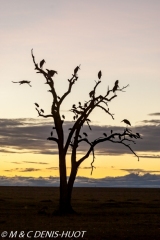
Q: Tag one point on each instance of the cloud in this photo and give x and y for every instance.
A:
(30, 135)
(139, 171)
(154, 114)
(152, 121)
(53, 168)
(131, 180)
(149, 156)
(22, 170)
(35, 162)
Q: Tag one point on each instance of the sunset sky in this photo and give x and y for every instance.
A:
(119, 37)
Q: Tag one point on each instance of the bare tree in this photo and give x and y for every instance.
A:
(81, 115)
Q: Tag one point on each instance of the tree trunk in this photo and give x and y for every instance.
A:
(65, 206)
(63, 183)
(70, 186)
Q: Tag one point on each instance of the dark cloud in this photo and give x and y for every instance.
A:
(30, 135)
(131, 180)
(154, 114)
(35, 162)
(152, 121)
(22, 170)
(53, 168)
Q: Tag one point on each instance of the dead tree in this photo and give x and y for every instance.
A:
(81, 116)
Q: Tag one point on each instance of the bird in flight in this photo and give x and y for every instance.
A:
(41, 63)
(99, 74)
(23, 81)
(126, 121)
(51, 72)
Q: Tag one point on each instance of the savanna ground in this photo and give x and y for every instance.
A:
(105, 213)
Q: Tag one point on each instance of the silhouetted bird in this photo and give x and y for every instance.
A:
(105, 134)
(79, 136)
(41, 63)
(51, 133)
(79, 103)
(116, 82)
(91, 93)
(36, 104)
(73, 106)
(126, 121)
(111, 131)
(99, 74)
(115, 86)
(76, 69)
(63, 116)
(51, 72)
(42, 110)
(85, 134)
(74, 117)
(23, 81)
(138, 135)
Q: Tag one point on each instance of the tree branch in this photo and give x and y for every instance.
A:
(53, 139)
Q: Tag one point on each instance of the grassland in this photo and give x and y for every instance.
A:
(105, 213)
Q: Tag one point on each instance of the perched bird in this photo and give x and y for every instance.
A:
(80, 103)
(63, 116)
(73, 106)
(23, 81)
(51, 134)
(85, 134)
(79, 136)
(91, 94)
(76, 69)
(36, 104)
(74, 117)
(115, 86)
(51, 72)
(99, 74)
(42, 110)
(41, 63)
(138, 135)
(105, 134)
(126, 121)
(111, 131)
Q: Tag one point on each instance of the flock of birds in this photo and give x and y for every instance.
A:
(51, 73)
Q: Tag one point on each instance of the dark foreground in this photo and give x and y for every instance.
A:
(105, 213)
